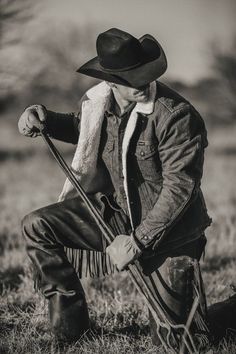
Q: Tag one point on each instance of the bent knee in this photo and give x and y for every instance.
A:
(32, 222)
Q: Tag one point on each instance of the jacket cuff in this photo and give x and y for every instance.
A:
(142, 237)
(145, 238)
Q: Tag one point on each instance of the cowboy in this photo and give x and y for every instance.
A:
(139, 157)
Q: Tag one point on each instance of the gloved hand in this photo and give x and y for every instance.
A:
(123, 251)
(32, 120)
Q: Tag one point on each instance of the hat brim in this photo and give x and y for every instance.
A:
(154, 65)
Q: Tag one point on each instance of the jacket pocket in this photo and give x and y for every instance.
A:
(148, 161)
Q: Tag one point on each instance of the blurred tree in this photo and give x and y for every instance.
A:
(214, 96)
(13, 12)
(13, 16)
(56, 82)
(39, 58)
(224, 66)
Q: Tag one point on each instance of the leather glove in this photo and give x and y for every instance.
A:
(32, 120)
(123, 251)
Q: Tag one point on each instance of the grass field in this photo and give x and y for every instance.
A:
(30, 179)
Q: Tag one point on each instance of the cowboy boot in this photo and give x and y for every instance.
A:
(57, 279)
(68, 316)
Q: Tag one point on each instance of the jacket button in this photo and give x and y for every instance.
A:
(145, 238)
(142, 153)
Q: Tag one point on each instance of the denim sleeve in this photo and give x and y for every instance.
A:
(63, 126)
(182, 139)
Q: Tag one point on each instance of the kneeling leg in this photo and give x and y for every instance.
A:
(47, 231)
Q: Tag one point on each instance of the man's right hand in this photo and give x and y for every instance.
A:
(32, 120)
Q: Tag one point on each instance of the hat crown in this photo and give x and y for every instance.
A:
(118, 50)
(126, 60)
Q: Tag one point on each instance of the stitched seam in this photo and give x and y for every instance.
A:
(173, 114)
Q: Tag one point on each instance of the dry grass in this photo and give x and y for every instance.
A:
(30, 179)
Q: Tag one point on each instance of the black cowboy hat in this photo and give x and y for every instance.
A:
(126, 60)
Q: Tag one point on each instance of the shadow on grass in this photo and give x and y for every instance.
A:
(134, 330)
(217, 262)
(11, 278)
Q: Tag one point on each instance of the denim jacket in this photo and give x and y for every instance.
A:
(165, 166)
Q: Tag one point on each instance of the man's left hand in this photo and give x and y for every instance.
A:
(123, 251)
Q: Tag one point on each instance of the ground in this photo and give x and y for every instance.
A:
(31, 179)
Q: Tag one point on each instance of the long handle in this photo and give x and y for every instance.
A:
(133, 270)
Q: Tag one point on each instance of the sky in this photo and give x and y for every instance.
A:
(185, 28)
